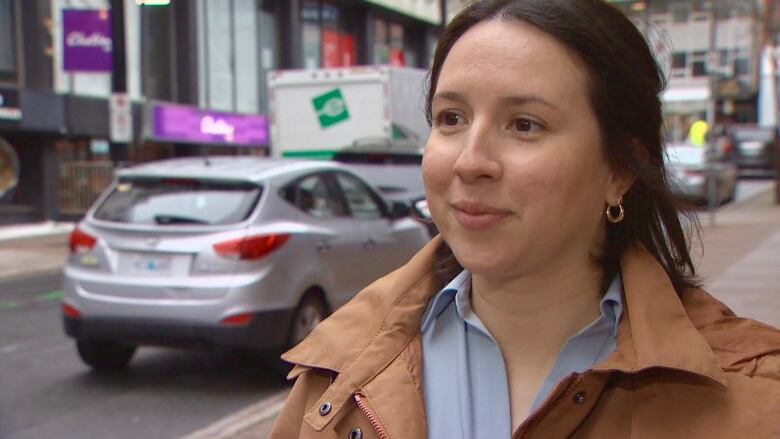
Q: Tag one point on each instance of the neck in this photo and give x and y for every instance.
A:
(544, 308)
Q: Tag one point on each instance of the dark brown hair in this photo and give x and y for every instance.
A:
(624, 86)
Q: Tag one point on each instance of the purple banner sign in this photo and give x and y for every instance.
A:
(86, 40)
(188, 124)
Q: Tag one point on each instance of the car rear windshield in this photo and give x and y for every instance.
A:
(176, 201)
(686, 155)
(754, 135)
(378, 158)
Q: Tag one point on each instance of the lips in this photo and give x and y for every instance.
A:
(477, 216)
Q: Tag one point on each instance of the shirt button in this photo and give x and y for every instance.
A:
(579, 398)
(356, 433)
(324, 408)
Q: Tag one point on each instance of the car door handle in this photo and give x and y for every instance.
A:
(369, 244)
(323, 247)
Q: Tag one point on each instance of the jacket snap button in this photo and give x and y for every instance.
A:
(579, 398)
(356, 433)
(324, 408)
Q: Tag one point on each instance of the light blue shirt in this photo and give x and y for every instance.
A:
(464, 379)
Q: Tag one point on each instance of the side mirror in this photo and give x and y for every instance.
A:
(420, 209)
(399, 210)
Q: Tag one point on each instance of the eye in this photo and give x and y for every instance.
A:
(525, 125)
(449, 118)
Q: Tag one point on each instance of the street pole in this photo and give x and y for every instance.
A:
(119, 152)
(710, 153)
(768, 40)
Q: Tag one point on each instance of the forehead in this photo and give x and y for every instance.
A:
(511, 54)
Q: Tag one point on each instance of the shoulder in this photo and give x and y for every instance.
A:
(382, 317)
(742, 345)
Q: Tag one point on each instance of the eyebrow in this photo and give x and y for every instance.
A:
(509, 100)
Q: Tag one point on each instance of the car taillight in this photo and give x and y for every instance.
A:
(238, 319)
(70, 311)
(251, 247)
(81, 242)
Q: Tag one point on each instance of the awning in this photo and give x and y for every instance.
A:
(686, 94)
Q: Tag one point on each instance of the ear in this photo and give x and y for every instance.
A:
(621, 179)
(620, 182)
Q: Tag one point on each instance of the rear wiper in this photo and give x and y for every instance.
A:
(173, 219)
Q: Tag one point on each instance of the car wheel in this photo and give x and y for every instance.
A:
(310, 312)
(105, 355)
(732, 194)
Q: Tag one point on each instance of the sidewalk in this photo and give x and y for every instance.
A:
(739, 257)
(31, 249)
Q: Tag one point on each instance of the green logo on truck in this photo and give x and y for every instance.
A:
(331, 108)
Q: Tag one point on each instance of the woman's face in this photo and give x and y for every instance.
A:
(514, 171)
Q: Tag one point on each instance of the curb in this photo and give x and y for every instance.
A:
(19, 232)
(14, 276)
(233, 425)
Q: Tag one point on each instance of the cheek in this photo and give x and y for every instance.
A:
(436, 171)
(552, 185)
(437, 175)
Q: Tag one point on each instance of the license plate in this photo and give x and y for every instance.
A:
(158, 265)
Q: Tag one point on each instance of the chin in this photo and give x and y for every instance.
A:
(482, 260)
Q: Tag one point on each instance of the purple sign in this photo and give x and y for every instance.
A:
(188, 124)
(86, 40)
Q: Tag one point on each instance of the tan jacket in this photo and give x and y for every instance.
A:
(682, 368)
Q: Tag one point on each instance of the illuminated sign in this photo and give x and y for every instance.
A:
(181, 123)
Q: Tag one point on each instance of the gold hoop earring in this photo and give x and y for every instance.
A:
(615, 218)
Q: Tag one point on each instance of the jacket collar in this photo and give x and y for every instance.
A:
(364, 336)
(656, 331)
(380, 320)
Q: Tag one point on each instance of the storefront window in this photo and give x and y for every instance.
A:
(267, 55)
(219, 69)
(326, 40)
(310, 15)
(7, 40)
(397, 56)
(235, 49)
(246, 65)
(155, 47)
(381, 48)
(331, 56)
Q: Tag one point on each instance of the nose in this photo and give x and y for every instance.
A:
(477, 160)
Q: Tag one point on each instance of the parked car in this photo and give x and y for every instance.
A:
(756, 147)
(235, 252)
(394, 167)
(693, 167)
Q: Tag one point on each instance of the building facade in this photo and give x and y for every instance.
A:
(184, 61)
(710, 51)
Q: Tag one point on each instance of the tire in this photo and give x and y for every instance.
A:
(310, 312)
(732, 194)
(105, 355)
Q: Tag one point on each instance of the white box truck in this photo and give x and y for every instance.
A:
(315, 113)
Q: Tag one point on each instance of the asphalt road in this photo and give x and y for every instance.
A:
(48, 393)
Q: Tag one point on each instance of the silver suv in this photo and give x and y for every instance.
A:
(231, 252)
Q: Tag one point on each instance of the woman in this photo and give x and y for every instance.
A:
(560, 298)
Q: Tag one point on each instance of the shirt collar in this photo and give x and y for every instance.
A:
(611, 304)
(444, 297)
